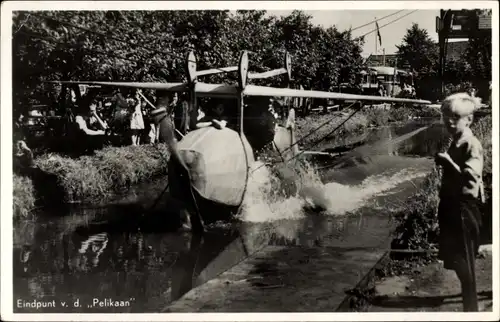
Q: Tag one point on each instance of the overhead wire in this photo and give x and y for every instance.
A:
(387, 24)
(376, 20)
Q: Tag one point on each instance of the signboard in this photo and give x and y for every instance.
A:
(463, 23)
(484, 22)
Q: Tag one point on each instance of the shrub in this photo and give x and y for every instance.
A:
(457, 88)
(377, 116)
(23, 198)
(416, 220)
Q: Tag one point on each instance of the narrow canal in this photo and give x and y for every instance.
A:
(115, 253)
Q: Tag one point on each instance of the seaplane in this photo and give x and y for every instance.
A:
(210, 167)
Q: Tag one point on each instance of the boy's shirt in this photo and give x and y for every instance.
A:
(467, 153)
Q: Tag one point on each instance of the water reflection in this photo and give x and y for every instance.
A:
(155, 269)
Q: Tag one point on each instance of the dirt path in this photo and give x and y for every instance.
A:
(431, 288)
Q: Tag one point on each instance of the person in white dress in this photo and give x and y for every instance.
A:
(137, 121)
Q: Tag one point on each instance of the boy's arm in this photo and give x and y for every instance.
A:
(83, 126)
(102, 124)
(199, 125)
(445, 160)
(473, 167)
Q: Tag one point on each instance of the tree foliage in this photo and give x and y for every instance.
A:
(152, 46)
(419, 51)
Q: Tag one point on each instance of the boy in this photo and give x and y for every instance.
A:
(460, 195)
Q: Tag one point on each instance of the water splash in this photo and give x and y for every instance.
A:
(266, 200)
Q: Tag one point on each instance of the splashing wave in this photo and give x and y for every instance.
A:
(267, 200)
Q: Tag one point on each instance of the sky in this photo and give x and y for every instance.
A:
(391, 35)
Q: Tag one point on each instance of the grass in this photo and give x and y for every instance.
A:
(305, 126)
(381, 117)
(375, 116)
(91, 179)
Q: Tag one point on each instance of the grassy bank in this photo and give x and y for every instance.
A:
(366, 118)
(92, 178)
(309, 134)
(89, 179)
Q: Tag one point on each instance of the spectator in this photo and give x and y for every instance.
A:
(381, 89)
(181, 117)
(23, 159)
(91, 128)
(137, 120)
(461, 195)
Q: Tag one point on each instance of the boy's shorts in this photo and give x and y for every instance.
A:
(459, 226)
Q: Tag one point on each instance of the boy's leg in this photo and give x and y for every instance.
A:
(466, 274)
(466, 271)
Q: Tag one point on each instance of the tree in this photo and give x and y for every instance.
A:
(419, 51)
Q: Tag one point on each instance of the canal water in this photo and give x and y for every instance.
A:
(121, 258)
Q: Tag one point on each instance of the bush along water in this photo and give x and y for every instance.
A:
(23, 198)
(88, 179)
(416, 220)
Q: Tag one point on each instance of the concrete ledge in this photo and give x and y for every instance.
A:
(286, 279)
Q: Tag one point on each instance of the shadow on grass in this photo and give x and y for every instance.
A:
(423, 301)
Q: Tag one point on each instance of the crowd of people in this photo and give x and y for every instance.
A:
(125, 122)
(91, 122)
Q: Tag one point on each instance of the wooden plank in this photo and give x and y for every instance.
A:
(216, 90)
(217, 70)
(171, 87)
(268, 74)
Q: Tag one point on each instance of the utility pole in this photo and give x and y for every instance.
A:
(383, 59)
(441, 51)
(443, 30)
(394, 76)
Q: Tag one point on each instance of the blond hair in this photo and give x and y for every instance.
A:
(462, 104)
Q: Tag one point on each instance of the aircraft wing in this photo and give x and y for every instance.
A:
(254, 90)
(173, 87)
(223, 90)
